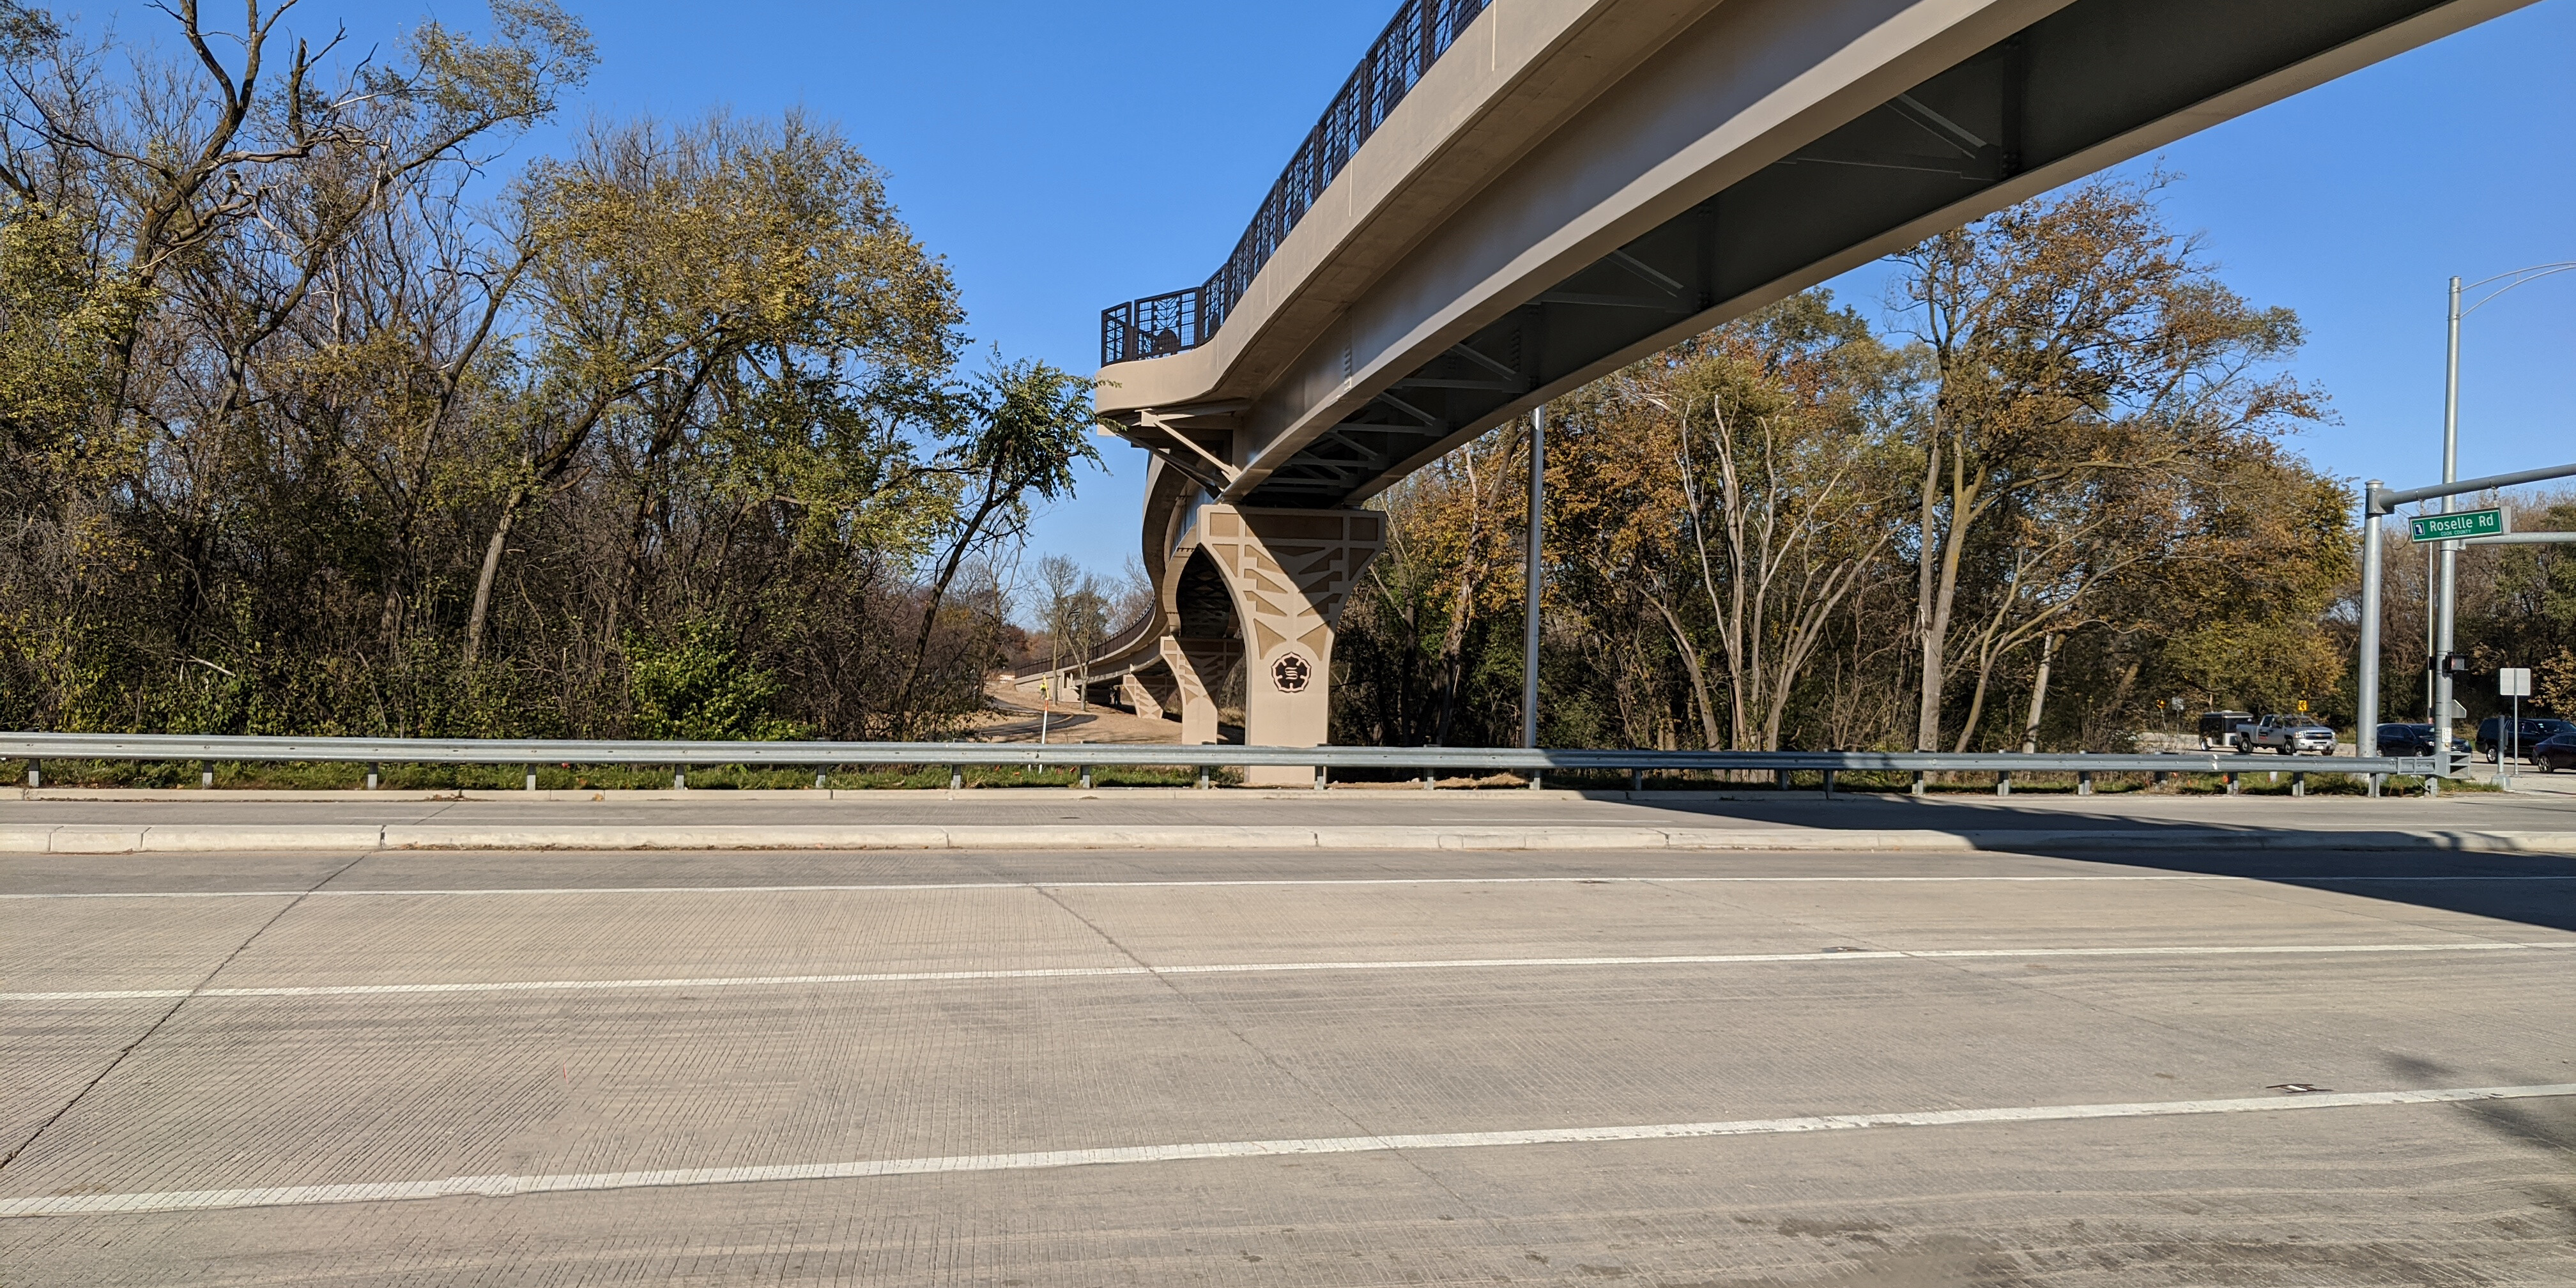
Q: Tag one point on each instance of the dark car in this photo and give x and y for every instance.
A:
(2554, 754)
(2493, 735)
(2405, 740)
(2413, 740)
(2218, 728)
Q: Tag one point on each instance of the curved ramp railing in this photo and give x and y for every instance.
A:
(1160, 325)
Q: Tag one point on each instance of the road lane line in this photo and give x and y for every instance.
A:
(504, 1186)
(2290, 879)
(1269, 968)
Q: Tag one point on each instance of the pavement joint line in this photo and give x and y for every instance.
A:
(900, 887)
(505, 1186)
(1272, 968)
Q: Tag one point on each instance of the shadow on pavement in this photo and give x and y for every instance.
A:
(2533, 889)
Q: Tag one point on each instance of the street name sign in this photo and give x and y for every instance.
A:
(2457, 524)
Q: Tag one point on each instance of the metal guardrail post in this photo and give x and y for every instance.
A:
(956, 778)
(1916, 789)
(2231, 782)
(206, 779)
(2298, 783)
(1636, 779)
(679, 780)
(1829, 784)
(35, 774)
(2003, 784)
(532, 780)
(1204, 782)
(1320, 773)
(2084, 782)
(372, 772)
(1086, 778)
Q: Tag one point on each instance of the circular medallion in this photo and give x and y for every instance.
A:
(1291, 673)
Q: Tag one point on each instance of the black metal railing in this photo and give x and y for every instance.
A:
(1154, 327)
(1166, 324)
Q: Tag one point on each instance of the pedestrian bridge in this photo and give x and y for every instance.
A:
(1509, 198)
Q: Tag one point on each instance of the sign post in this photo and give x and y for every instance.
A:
(2512, 682)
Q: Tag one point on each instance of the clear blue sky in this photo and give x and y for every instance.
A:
(1065, 156)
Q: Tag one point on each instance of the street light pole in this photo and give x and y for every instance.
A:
(2442, 639)
(2365, 736)
(1535, 583)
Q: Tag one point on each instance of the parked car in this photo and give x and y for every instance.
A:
(2554, 754)
(2218, 728)
(2492, 735)
(2288, 735)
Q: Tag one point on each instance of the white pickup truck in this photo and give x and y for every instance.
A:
(2288, 735)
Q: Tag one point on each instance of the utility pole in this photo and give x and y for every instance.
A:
(1535, 582)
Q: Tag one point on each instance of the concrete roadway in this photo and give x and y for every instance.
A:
(1149, 1068)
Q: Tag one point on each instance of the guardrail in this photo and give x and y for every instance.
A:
(39, 747)
(1414, 39)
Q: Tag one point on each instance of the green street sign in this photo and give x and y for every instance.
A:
(2457, 524)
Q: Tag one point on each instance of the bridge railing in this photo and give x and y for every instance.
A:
(39, 747)
(1154, 327)
(1415, 38)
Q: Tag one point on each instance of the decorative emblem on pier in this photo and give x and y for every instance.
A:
(1290, 673)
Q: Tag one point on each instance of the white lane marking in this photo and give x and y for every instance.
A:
(1266, 968)
(502, 1186)
(1281, 881)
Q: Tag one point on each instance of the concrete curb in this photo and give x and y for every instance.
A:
(721, 796)
(129, 839)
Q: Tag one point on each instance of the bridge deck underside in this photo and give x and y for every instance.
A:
(2082, 78)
